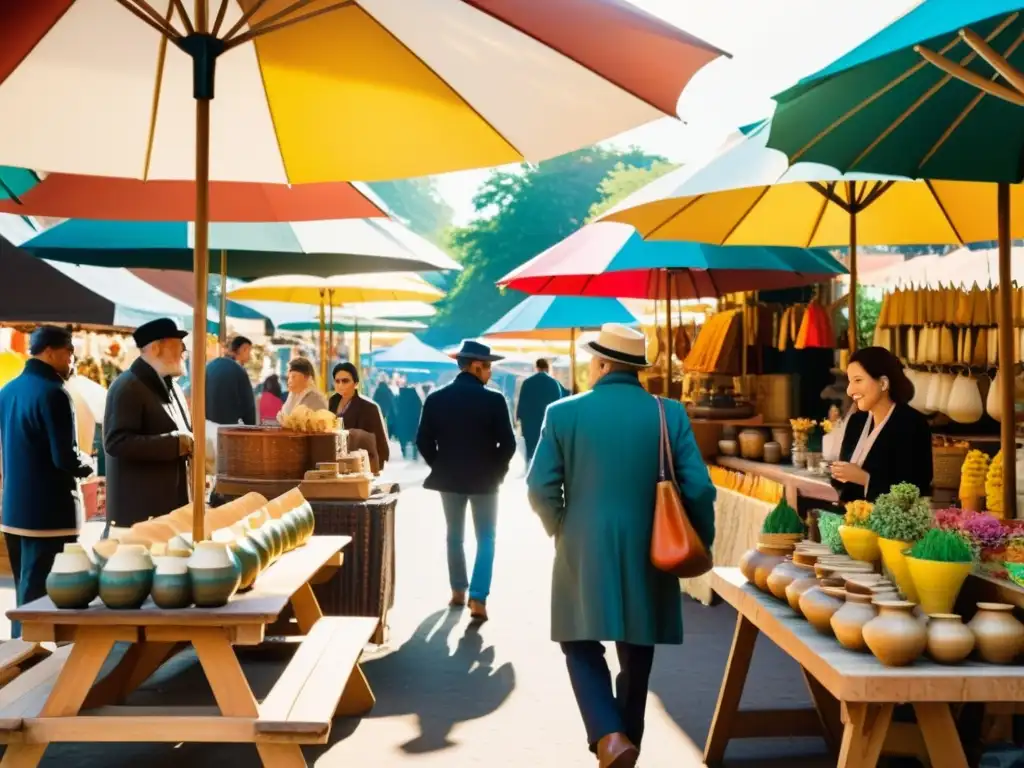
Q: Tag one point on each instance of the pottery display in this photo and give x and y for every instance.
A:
(215, 574)
(784, 437)
(788, 540)
(728, 447)
(798, 586)
(896, 565)
(247, 553)
(287, 534)
(949, 640)
(772, 452)
(172, 585)
(862, 583)
(895, 637)
(824, 569)
(276, 539)
(848, 622)
(752, 444)
(999, 635)
(102, 550)
(296, 520)
(261, 542)
(766, 562)
(74, 548)
(256, 520)
(818, 604)
(127, 577)
(937, 584)
(781, 576)
(861, 543)
(179, 546)
(72, 581)
(291, 532)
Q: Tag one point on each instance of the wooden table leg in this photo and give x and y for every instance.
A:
(827, 707)
(233, 694)
(863, 734)
(136, 666)
(357, 698)
(92, 646)
(736, 669)
(940, 735)
(306, 608)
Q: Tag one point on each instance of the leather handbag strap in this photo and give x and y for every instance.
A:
(663, 447)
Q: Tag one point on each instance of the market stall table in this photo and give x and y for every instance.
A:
(65, 703)
(846, 686)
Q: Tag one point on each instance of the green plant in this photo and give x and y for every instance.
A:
(783, 519)
(828, 527)
(942, 547)
(901, 514)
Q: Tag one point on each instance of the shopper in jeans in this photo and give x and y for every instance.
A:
(465, 436)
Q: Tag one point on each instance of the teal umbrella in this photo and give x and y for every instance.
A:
(15, 182)
(554, 317)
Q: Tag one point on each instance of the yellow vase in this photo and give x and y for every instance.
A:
(896, 565)
(937, 584)
(860, 543)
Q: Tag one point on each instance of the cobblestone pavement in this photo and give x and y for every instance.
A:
(449, 695)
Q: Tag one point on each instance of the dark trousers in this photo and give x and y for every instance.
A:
(603, 710)
(31, 560)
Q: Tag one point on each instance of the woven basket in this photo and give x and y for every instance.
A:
(947, 461)
(271, 453)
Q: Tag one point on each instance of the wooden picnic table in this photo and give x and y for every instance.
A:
(853, 693)
(61, 700)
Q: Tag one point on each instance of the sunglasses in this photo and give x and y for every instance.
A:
(342, 380)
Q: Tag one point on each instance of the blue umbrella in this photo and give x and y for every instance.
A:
(411, 353)
(553, 317)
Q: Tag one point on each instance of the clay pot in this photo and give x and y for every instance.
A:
(818, 604)
(769, 557)
(937, 584)
(77, 549)
(295, 520)
(172, 586)
(274, 539)
(127, 577)
(772, 452)
(291, 532)
(780, 577)
(824, 568)
(752, 444)
(848, 622)
(102, 550)
(784, 438)
(895, 563)
(215, 574)
(949, 640)
(72, 581)
(895, 637)
(261, 541)
(180, 546)
(999, 635)
(787, 540)
(799, 585)
(246, 552)
(861, 543)
(256, 520)
(862, 583)
(728, 447)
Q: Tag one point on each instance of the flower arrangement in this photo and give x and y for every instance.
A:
(942, 547)
(782, 519)
(858, 513)
(802, 428)
(901, 514)
(828, 527)
(827, 426)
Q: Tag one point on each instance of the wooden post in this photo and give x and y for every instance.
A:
(323, 343)
(668, 333)
(330, 334)
(852, 295)
(1007, 366)
(222, 325)
(356, 354)
(572, 361)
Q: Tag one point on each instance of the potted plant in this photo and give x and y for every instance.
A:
(781, 530)
(900, 517)
(860, 541)
(828, 529)
(938, 564)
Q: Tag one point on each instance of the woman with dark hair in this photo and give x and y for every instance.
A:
(358, 412)
(886, 441)
(302, 387)
(271, 398)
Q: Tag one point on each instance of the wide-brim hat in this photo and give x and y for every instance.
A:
(619, 344)
(157, 330)
(474, 350)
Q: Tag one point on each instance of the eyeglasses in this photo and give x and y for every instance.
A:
(342, 380)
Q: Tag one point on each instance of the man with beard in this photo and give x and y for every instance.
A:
(42, 463)
(147, 435)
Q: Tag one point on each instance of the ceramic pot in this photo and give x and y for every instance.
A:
(286, 534)
(896, 565)
(305, 512)
(248, 556)
(784, 438)
(215, 574)
(179, 546)
(781, 576)
(172, 586)
(752, 444)
(127, 577)
(256, 520)
(818, 604)
(727, 448)
(291, 532)
(895, 637)
(862, 583)
(747, 563)
(999, 636)
(772, 452)
(787, 540)
(74, 548)
(937, 584)
(102, 550)
(769, 558)
(861, 543)
(276, 540)
(798, 586)
(848, 622)
(949, 640)
(72, 581)
(262, 543)
(294, 519)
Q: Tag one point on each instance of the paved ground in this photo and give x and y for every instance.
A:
(449, 695)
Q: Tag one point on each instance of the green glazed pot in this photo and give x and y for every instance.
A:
(276, 540)
(72, 581)
(291, 532)
(215, 573)
(248, 556)
(127, 578)
(293, 521)
(172, 586)
(262, 544)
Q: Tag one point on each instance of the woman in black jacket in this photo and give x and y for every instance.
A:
(886, 441)
(358, 412)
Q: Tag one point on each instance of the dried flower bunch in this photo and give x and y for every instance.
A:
(857, 513)
(802, 424)
(901, 514)
(304, 419)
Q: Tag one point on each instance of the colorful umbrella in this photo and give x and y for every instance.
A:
(354, 323)
(14, 183)
(410, 352)
(252, 250)
(553, 317)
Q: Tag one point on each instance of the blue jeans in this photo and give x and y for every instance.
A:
(485, 522)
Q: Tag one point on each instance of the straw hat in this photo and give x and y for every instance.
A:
(619, 344)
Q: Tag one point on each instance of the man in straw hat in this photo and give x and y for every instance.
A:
(592, 482)
(465, 435)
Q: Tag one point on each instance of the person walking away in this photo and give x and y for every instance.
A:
(410, 406)
(271, 399)
(385, 400)
(592, 483)
(302, 387)
(229, 395)
(147, 434)
(466, 438)
(535, 395)
(42, 463)
(356, 412)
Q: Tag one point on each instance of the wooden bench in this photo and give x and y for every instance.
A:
(322, 680)
(25, 696)
(18, 655)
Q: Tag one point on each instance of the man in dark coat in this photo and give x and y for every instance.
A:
(535, 395)
(229, 395)
(42, 463)
(410, 408)
(385, 398)
(147, 435)
(466, 437)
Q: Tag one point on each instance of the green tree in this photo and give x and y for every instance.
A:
(867, 318)
(521, 213)
(623, 181)
(417, 203)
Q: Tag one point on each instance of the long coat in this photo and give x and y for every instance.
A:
(42, 462)
(410, 409)
(535, 395)
(365, 414)
(146, 473)
(592, 482)
(466, 437)
(229, 395)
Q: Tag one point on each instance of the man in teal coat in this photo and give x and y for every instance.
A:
(592, 482)
(535, 395)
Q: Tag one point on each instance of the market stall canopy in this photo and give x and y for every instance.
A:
(607, 259)
(321, 248)
(354, 323)
(338, 289)
(368, 89)
(179, 285)
(552, 317)
(279, 312)
(936, 94)
(410, 352)
(69, 196)
(962, 267)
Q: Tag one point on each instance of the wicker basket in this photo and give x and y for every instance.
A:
(947, 461)
(271, 453)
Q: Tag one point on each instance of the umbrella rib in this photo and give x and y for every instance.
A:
(161, 60)
(189, 29)
(673, 215)
(244, 19)
(825, 200)
(264, 29)
(880, 189)
(945, 213)
(165, 30)
(952, 127)
(746, 213)
(221, 13)
(965, 75)
(996, 60)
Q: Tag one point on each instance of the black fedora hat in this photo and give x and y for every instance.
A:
(155, 330)
(474, 350)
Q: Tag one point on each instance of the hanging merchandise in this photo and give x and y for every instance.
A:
(965, 404)
(716, 344)
(815, 329)
(994, 403)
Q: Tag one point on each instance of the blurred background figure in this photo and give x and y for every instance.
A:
(229, 396)
(410, 406)
(302, 387)
(271, 399)
(535, 395)
(386, 401)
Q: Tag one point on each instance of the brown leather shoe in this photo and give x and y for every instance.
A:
(458, 599)
(478, 610)
(616, 751)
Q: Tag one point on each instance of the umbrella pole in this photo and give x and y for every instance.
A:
(852, 295)
(330, 331)
(223, 324)
(668, 333)
(323, 343)
(572, 361)
(357, 359)
(1008, 423)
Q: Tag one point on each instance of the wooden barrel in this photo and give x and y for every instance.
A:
(270, 453)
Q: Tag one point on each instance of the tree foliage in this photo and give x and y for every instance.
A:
(520, 213)
(417, 203)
